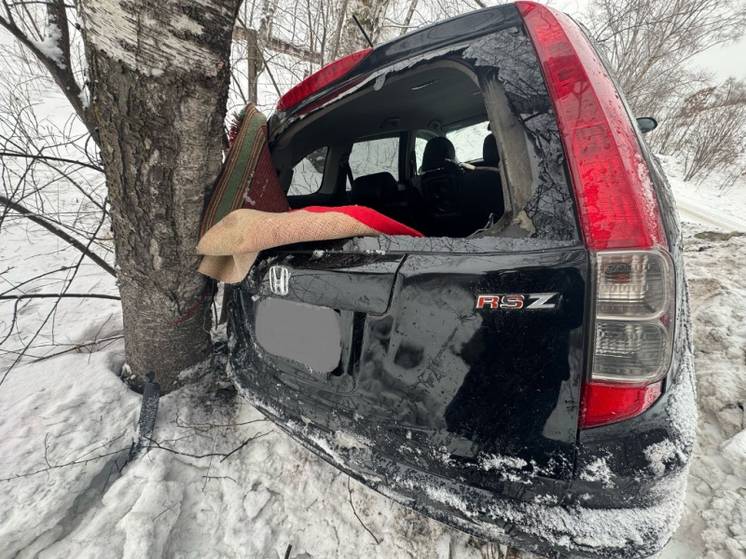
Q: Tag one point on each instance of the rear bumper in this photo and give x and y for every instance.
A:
(616, 507)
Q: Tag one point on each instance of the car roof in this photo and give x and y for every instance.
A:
(419, 42)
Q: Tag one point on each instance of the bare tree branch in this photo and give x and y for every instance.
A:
(51, 158)
(60, 69)
(61, 234)
(59, 296)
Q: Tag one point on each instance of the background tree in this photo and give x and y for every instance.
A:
(151, 91)
(158, 85)
(149, 83)
(650, 45)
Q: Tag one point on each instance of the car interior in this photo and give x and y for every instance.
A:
(415, 145)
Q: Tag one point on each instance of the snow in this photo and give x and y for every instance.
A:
(267, 496)
(67, 423)
(715, 523)
(705, 202)
(598, 470)
(50, 46)
(659, 454)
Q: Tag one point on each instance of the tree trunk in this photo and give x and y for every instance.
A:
(160, 73)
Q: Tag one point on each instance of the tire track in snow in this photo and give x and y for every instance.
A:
(689, 209)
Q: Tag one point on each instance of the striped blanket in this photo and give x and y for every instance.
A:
(248, 211)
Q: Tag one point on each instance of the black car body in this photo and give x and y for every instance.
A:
(524, 370)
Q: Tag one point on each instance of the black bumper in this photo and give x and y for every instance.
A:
(614, 508)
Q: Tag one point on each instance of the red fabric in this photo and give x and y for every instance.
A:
(369, 217)
(264, 192)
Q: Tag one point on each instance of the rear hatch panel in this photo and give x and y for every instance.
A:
(487, 396)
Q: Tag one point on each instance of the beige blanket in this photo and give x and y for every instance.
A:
(231, 245)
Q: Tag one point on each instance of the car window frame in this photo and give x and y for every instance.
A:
(320, 189)
(400, 136)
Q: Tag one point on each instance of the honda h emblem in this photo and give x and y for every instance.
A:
(279, 280)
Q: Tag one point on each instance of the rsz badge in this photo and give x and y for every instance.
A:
(518, 301)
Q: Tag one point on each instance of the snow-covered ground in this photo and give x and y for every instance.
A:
(66, 423)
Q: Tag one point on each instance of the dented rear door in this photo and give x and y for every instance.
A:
(390, 351)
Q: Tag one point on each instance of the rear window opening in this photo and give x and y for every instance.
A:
(445, 145)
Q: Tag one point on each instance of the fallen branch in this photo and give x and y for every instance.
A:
(65, 465)
(223, 455)
(360, 520)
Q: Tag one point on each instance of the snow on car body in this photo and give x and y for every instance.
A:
(564, 428)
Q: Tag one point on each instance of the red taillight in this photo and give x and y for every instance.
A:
(620, 220)
(617, 206)
(605, 403)
(320, 79)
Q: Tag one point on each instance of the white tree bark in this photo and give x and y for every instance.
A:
(160, 74)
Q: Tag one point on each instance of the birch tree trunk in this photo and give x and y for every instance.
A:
(159, 73)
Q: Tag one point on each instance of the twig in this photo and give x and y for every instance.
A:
(209, 465)
(223, 455)
(18, 286)
(50, 158)
(157, 516)
(76, 347)
(208, 426)
(247, 441)
(65, 465)
(221, 477)
(360, 520)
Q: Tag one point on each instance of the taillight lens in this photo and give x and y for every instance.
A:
(320, 79)
(630, 351)
(633, 339)
(633, 315)
(617, 205)
(633, 283)
(608, 403)
(620, 220)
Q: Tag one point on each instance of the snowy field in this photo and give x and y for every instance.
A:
(67, 421)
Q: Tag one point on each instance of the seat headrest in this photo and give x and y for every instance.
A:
(490, 155)
(373, 188)
(437, 150)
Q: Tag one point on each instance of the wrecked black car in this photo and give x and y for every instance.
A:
(523, 371)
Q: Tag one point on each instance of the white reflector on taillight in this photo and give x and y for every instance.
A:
(633, 326)
(630, 351)
(632, 283)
